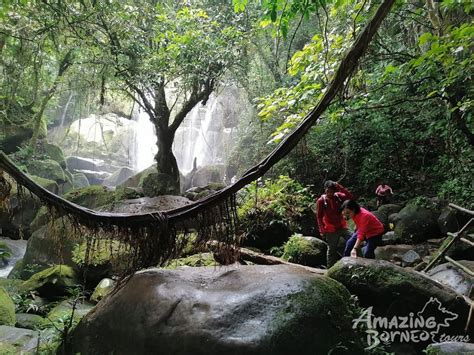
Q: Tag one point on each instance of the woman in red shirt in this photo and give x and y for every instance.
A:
(369, 228)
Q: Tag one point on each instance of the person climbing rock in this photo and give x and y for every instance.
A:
(383, 192)
(332, 225)
(368, 228)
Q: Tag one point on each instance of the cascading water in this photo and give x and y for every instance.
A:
(145, 142)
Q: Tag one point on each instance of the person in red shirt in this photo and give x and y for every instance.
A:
(331, 223)
(369, 228)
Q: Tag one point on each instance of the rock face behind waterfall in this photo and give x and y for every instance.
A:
(243, 310)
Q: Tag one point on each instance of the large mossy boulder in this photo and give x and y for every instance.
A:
(244, 310)
(107, 258)
(13, 137)
(45, 248)
(137, 179)
(416, 224)
(52, 282)
(309, 251)
(393, 291)
(29, 321)
(7, 308)
(47, 169)
(54, 152)
(156, 184)
(91, 196)
(389, 209)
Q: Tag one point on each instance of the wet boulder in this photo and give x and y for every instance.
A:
(389, 209)
(18, 340)
(411, 258)
(452, 276)
(309, 251)
(393, 291)
(208, 174)
(231, 310)
(137, 179)
(118, 177)
(416, 224)
(51, 283)
(79, 180)
(78, 163)
(47, 169)
(29, 321)
(104, 287)
(448, 221)
(451, 348)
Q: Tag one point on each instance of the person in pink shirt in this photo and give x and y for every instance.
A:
(368, 229)
(383, 192)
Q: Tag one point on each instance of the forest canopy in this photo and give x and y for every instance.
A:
(404, 117)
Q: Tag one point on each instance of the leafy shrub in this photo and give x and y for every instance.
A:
(282, 199)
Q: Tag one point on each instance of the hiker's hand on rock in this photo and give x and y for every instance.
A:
(354, 253)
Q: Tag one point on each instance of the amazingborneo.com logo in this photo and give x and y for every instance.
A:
(429, 324)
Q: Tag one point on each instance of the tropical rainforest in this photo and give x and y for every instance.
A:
(185, 134)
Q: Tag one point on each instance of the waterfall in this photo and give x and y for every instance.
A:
(145, 142)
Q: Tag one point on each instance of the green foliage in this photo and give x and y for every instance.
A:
(282, 199)
(295, 247)
(410, 79)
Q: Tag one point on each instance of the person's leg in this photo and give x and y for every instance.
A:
(350, 244)
(332, 239)
(369, 250)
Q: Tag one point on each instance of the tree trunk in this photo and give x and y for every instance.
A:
(165, 159)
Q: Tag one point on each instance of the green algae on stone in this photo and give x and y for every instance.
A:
(52, 282)
(47, 169)
(91, 196)
(196, 260)
(7, 308)
(308, 251)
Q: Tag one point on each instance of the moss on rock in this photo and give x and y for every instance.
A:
(52, 282)
(48, 184)
(7, 308)
(55, 153)
(47, 169)
(104, 287)
(308, 251)
(197, 260)
(91, 196)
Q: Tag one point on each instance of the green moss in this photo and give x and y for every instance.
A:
(103, 289)
(156, 184)
(61, 276)
(10, 285)
(7, 308)
(8, 349)
(54, 153)
(48, 184)
(197, 260)
(62, 313)
(91, 196)
(48, 169)
(126, 193)
(304, 251)
(105, 252)
(323, 309)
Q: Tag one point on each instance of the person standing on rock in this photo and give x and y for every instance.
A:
(331, 223)
(383, 192)
(369, 228)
